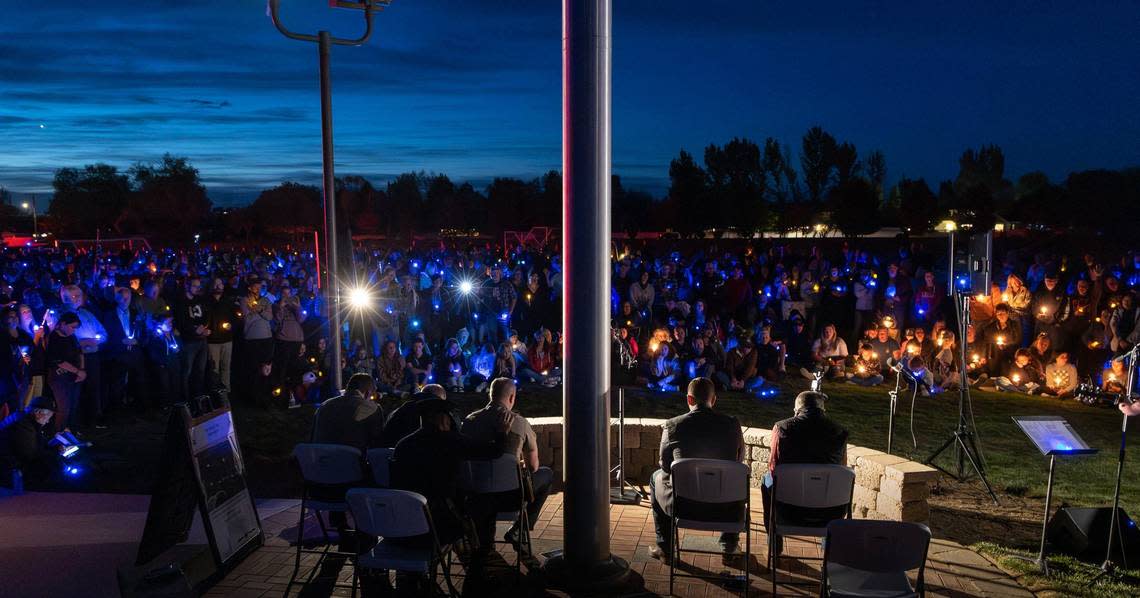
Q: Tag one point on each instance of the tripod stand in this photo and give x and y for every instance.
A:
(1108, 566)
(962, 438)
(624, 493)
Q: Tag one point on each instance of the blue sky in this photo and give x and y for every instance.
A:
(472, 89)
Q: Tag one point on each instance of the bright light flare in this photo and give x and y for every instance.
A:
(359, 298)
(466, 287)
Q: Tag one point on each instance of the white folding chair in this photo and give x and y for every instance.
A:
(390, 515)
(799, 489)
(502, 476)
(703, 485)
(870, 559)
(380, 460)
(328, 469)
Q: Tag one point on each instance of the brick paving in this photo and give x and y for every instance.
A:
(952, 570)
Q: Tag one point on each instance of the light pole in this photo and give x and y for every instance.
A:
(324, 40)
(32, 207)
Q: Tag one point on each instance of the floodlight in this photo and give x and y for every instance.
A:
(359, 298)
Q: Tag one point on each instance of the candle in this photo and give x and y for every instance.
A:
(980, 298)
(1001, 341)
(225, 325)
(1044, 310)
(975, 358)
(1005, 297)
(862, 369)
(1016, 378)
(653, 346)
(1057, 380)
(1112, 377)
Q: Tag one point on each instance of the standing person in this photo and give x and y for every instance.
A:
(123, 361)
(64, 360)
(701, 433)
(151, 304)
(1050, 310)
(192, 319)
(15, 358)
(288, 316)
(483, 426)
(164, 356)
(503, 298)
(219, 345)
(91, 335)
(257, 339)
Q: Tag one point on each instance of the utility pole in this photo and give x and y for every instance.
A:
(324, 40)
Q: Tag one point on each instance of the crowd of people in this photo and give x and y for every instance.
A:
(100, 330)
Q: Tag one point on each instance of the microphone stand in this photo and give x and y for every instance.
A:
(894, 394)
(1108, 566)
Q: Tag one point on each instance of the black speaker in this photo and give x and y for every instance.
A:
(1083, 533)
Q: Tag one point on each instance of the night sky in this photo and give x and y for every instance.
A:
(472, 88)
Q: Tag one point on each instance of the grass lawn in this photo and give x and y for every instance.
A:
(1067, 576)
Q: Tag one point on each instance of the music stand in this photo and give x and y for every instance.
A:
(1052, 436)
(624, 493)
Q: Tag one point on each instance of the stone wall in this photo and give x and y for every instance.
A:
(886, 486)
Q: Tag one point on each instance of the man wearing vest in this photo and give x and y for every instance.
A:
(808, 437)
(703, 434)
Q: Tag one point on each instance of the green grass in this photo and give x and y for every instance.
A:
(1068, 576)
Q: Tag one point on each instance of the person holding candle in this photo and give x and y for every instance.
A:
(1041, 352)
(1002, 337)
(976, 365)
(1114, 378)
(944, 363)
(868, 370)
(222, 310)
(1050, 308)
(1060, 377)
(1022, 376)
(1124, 324)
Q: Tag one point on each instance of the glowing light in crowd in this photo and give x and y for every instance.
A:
(359, 298)
(466, 287)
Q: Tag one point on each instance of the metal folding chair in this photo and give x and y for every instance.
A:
(699, 484)
(805, 487)
(380, 461)
(870, 559)
(328, 470)
(493, 478)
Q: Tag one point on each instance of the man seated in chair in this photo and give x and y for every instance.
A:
(521, 442)
(406, 418)
(426, 462)
(809, 437)
(353, 418)
(703, 434)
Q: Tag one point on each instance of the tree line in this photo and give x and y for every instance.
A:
(742, 184)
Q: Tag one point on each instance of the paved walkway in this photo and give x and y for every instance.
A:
(952, 570)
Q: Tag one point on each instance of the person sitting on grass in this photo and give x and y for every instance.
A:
(769, 356)
(920, 376)
(829, 352)
(739, 371)
(1060, 377)
(703, 362)
(868, 370)
(453, 367)
(662, 369)
(945, 362)
(887, 349)
(1022, 376)
(1114, 377)
(976, 363)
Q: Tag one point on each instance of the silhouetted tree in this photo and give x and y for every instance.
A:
(847, 165)
(287, 205)
(687, 190)
(817, 161)
(736, 182)
(876, 166)
(854, 207)
(917, 205)
(88, 200)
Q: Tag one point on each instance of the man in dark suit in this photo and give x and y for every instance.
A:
(353, 418)
(808, 437)
(703, 434)
(406, 418)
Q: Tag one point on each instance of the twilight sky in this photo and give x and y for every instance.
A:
(472, 88)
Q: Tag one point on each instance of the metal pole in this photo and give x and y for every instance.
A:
(586, 559)
(950, 269)
(331, 286)
(1045, 524)
(35, 225)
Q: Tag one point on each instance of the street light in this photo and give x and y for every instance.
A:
(32, 206)
(323, 40)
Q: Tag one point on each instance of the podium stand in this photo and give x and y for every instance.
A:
(1054, 437)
